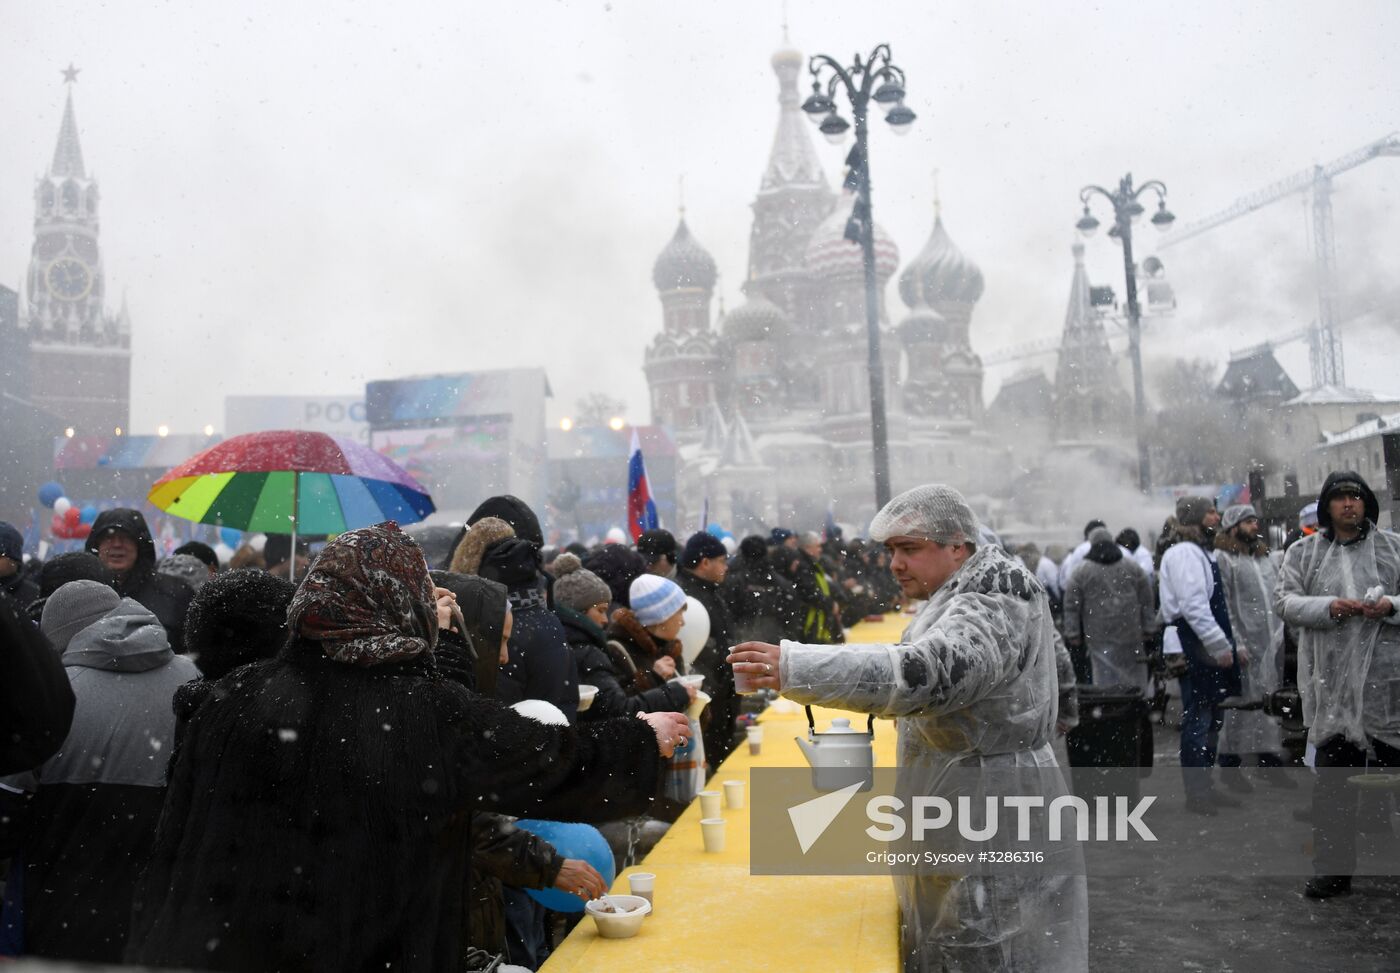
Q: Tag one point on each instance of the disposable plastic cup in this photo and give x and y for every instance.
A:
(709, 804)
(734, 794)
(755, 737)
(743, 683)
(643, 884)
(713, 831)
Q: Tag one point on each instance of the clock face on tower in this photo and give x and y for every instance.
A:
(68, 279)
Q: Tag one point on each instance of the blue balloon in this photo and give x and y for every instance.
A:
(571, 840)
(231, 536)
(715, 530)
(50, 492)
(88, 514)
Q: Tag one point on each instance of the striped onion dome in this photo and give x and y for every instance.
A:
(831, 255)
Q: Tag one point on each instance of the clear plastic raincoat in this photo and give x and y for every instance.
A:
(1249, 582)
(1348, 672)
(973, 685)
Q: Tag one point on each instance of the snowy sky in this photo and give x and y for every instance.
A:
(300, 197)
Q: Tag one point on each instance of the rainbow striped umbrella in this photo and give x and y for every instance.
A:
(288, 482)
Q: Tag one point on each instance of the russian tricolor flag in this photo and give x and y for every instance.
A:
(641, 508)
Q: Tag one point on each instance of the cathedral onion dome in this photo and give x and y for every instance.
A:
(923, 325)
(940, 274)
(757, 319)
(788, 57)
(831, 255)
(684, 264)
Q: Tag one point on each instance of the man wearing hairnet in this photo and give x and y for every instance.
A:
(973, 686)
(1338, 588)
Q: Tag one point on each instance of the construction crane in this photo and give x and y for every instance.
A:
(1325, 347)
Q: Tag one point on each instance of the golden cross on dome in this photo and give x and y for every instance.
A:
(70, 74)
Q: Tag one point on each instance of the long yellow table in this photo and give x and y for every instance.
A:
(711, 914)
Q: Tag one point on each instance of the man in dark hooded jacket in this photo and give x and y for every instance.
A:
(541, 664)
(122, 541)
(14, 581)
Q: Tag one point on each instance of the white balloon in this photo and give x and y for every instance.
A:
(223, 552)
(696, 630)
(541, 711)
(62, 505)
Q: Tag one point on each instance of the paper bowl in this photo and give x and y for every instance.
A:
(697, 705)
(612, 925)
(585, 696)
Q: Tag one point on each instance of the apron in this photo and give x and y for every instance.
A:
(1213, 682)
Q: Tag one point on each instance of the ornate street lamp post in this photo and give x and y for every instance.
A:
(859, 81)
(1127, 211)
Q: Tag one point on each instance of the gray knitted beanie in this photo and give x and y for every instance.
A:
(577, 587)
(73, 608)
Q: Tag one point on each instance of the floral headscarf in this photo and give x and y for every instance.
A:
(368, 598)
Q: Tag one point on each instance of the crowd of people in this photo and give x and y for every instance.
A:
(205, 762)
(1234, 623)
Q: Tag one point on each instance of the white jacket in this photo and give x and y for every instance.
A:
(1185, 585)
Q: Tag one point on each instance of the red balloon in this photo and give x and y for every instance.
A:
(82, 531)
(60, 529)
(72, 516)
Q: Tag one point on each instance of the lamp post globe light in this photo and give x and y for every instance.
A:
(874, 79)
(1127, 211)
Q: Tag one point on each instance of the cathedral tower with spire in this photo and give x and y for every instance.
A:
(80, 355)
(682, 364)
(1090, 402)
(793, 199)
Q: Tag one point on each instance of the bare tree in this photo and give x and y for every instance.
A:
(1199, 436)
(596, 408)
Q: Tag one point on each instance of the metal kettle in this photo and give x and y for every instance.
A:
(841, 756)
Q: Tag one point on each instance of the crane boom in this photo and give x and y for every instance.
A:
(1325, 351)
(1296, 183)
